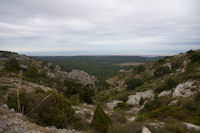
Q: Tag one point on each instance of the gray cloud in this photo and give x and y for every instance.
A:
(99, 26)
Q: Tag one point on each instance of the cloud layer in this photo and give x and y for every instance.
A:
(95, 26)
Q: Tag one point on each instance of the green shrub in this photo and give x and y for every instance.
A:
(12, 65)
(56, 110)
(141, 101)
(162, 70)
(140, 68)
(154, 104)
(39, 90)
(4, 87)
(132, 83)
(168, 85)
(195, 57)
(123, 106)
(101, 121)
(31, 72)
(23, 98)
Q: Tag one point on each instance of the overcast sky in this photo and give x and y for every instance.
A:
(127, 27)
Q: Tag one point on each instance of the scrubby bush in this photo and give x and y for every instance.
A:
(86, 93)
(101, 121)
(12, 65)
(140, 68)
(56, 110)
(168, 85)
(195, 57)
(162, 70)
(24, 100)
(31, 72)
(141, 101)
(132, 83)
(123, 106)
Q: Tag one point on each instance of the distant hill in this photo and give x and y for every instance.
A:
(102, 67)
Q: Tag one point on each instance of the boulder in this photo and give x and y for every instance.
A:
(191, 126)
(165, 93)
(113, 104)
(145, 130)
(183, 90)
(135, 99)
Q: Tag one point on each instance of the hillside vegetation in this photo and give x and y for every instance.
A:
(161, 96)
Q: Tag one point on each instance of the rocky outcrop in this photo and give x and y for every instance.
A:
(82, 77)
(145, 130)
(183, 90)
(113, 104)
(135, 99)
(165, 93)
(191, 126)
(12, 122)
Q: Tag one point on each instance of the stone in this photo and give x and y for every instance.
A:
(174, 102)
(12, 110)
(135, 99)
(165, 93)
(191, 126)
(145, 130)
(183, 90)
(5, 106)
(113, 104)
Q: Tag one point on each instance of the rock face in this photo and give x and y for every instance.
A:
(82, 77)
(145, 130)
(183, 90)
(191, 126)
(165, 93)
(135, 99)
(11, 122)
(113, 104)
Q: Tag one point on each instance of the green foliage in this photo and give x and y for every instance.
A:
(4, 87)
(31, 72)
(56, 110)
(141, 101)
(101, 121)
(12, 65)
(162, 70)
(195, 57)
(123, 106)
(101, 67)
(132, 83)
(154, 104)
(23, 98)
(140, 68)
(39, 90)
(86, 93)
(168, 85)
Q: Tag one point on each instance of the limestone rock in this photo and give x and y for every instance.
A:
(113, 104)
(165, 93)
(82, 77)
(135, 99)
(191, 126)
(145, 130)
(183, 90)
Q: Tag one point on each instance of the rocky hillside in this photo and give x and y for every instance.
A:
(162, 96)
(12, 122)
(46, 69)
(158, 93)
